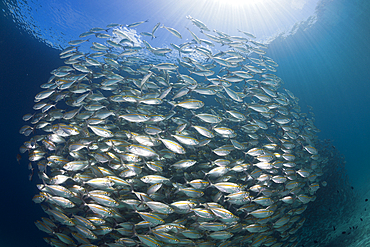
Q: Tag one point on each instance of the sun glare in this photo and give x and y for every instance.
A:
(237, 3)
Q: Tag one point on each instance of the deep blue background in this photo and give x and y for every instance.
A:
(25, 63)
(326, 66)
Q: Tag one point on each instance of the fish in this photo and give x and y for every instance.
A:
(154, 29)
(197, 40)
(190, 104)
(173, 31)
(135, 147)
(198, 23)
(19, 157)
(166, 66)
(135, 24)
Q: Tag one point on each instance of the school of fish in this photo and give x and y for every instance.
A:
(205, 150)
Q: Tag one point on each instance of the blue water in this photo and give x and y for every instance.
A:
(325, 64)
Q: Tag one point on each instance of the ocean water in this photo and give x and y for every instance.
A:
(323, 60)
